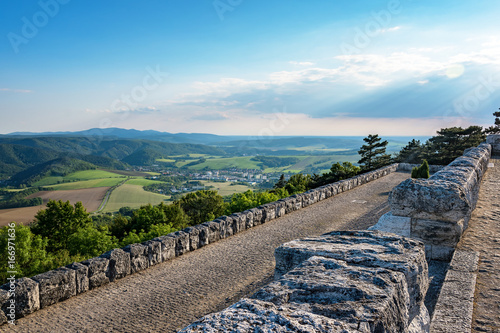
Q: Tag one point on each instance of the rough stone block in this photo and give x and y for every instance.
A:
(119, 264)
(139, 257)
(367, 248)
(27, 297)
(251, 315)
(239, 222)
(437, 232)
(398, 225)
(4, 303)
(249, 218)
(167, 245)
(97, 269)
(154, 252)
(494, 141)
(194, 237)
(203, 235)
(298, 198)
(56, 285)
(372, 296)
(81, 277)
(225, 226)
(268, 212)
(213, 231)
(181, 242)
(465, 261)
(280, 208)
(258, 215)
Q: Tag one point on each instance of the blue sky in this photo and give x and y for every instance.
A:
(397, 67)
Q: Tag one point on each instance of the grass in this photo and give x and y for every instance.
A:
(105, 182)
(142, 182)
(77, 176)
(226, 188)
(132, 196)
(166, 160)
(228, 162)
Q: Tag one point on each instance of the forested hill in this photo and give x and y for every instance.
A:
(17, 155)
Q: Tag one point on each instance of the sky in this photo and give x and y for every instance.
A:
(241, 67)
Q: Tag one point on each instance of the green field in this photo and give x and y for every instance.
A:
(226, 188)
(132, 196)
(78, 176)
(228, 162)
(106, 182)
(143, 182)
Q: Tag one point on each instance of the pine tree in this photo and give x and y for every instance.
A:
(281, 182)
(494, 129)
(373, 155)
(411, 153)
(421, 171)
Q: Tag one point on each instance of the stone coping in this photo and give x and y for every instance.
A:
(60, 284)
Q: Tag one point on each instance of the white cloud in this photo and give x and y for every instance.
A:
(23, 91)
(301, 63)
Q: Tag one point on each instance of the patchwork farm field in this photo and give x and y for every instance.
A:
(132, 196)
(91, 198)
(226, 188)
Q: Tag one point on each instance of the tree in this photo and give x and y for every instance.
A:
(373, 155)
(59, 221)
(146, 216)
(91, 242)
(337, 172)
(281, 182)
(202, 206)
(450, 143)
(175, 215)
(421, 171)
(494, 129)
(297, 184)
(412, 153)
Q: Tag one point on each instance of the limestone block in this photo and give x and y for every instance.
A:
(119, 264)
(398, 225)
(248, 218)
(139, 257)
(373, 296)
(268, 212)
(298, 200)
(258, 215)
(81, 277)
(194, 237)
(421, 323)
(239, 222)
(251, 315)
(289, 205)
(494, 141)
(430, 199)
(213, 231)
(56, 285)
(203, 235)
(280, 208)
(225, 226)
(27, 297)
(154, 252)
(437, 232)
(97, 269)
(181, 239)
(167, 247)
(367, 248)
(4, 303)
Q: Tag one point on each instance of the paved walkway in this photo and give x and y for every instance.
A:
(169, 296)
(483, 235)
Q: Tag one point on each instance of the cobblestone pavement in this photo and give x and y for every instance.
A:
(483, 235)
(171, 295)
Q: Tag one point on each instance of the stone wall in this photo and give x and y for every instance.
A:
(437, 210)
(494, 141)
(407, 167)
(60, 284)
(346, 281)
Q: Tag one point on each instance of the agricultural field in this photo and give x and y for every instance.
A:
(91, 198)
(133, 196)
(226, 188)
(104, 182)
(78, 176)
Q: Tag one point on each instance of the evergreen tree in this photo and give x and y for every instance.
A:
(281, 182)
(411, 153)
(337, 172)
(494, 129)
(373, 155)
(450, 143)
(421, 171)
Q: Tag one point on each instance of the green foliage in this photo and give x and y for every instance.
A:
(91, 242)
(450, 143)
(421, 171)
(494, 129)
(281, 182)
(298, 183)
(21, 203)
(249, 199)
(412, 153)
(30, 257)
(337, 172)
(175, 215)
(373, 155)
(144, 217)
(59, 221)
(202, 206)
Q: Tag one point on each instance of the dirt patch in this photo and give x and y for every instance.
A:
(90, 197)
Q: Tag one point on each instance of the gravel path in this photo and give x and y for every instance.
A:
(171, 295)
(483, 235)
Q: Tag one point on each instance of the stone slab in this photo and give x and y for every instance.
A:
(119, 264)
(167, 245)
(27, 297)
(81, 277)
(139, 257)
(56, 285)
(97, 269)
(398, 225)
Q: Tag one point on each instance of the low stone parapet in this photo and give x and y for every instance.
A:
(338, 282)
(494, 141)
(437, 210)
